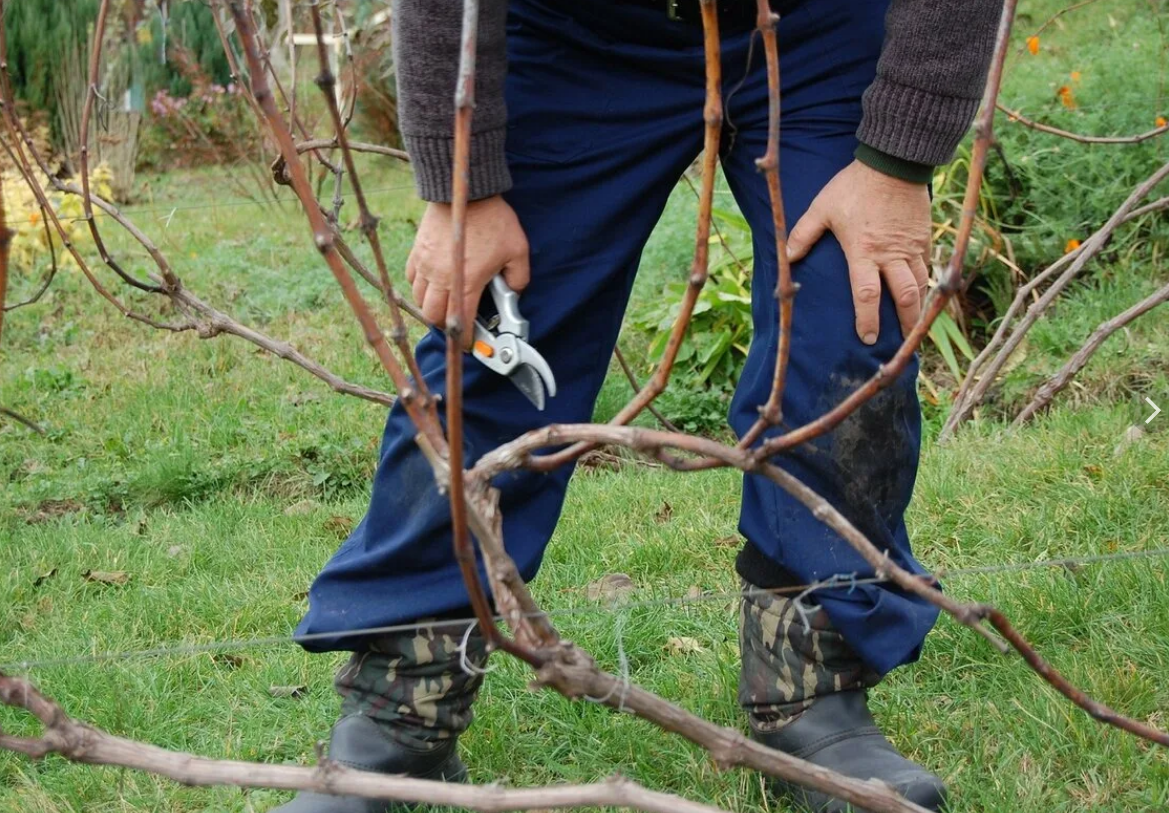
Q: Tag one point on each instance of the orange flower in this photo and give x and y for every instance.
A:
(34, 218)
(1066, 97)
(1160, 121)
(1075, 76)
(1033, 45)
(1071, 246)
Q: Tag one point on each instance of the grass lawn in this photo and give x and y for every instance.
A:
(212, 481)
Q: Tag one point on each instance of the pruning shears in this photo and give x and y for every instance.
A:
(501, 343)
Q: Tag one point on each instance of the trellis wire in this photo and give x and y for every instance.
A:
(836, 580)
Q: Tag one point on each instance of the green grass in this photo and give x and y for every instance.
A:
(219, 480)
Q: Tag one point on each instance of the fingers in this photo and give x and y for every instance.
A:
(865, 277)
(808, 229)
(906, 293)
(517, 273)
(921, 272)
(434, 305)
(471, 298)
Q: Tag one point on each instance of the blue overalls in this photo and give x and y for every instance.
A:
(605, 113)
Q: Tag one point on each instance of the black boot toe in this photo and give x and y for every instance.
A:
(360, 743)
(838, 732)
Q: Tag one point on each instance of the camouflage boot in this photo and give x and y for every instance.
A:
(405, 701)
(805, 693)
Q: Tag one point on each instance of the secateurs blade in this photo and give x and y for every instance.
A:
(502, 345)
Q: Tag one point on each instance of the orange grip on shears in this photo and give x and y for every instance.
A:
(484, 349)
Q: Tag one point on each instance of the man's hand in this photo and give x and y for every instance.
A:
(883, 225)
(498, 242)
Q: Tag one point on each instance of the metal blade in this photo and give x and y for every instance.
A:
(529, 383)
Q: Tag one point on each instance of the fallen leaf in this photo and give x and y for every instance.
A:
(339, 526)
(600, 461)
(1033, 45)
(44, 577)
(732, 541)
(682, 646)
(1131, 435)
(299, 509)
(665, 511)
(291, 692)
(48, 510)
(614, 587)
(1094, 471)
(117, 577)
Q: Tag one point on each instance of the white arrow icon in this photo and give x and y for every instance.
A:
(1156, 410)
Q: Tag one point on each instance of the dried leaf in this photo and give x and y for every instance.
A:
(117, 577)
(664, 512)
(1131, 435)
(300, 509)
(732, 541)
(614, 587)
(682, 646)
(339, 526)
(44, 577)
(48, 510)
(1094, 471)
(291, 692)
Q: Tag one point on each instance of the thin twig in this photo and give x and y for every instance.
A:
(47, 279)
(460, 180)
(771, 413)
(1016, 116)
(1088, 250)
(95, 51)
(1076, 363)
(398, 334)
(712, 117)
(322, 231)
(631, 377)
(16, 416)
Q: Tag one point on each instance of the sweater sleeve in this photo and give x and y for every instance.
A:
(930, 78)
(426, 38)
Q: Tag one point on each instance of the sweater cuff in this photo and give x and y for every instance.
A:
(913, 124)
(892, 165)
(433, 162)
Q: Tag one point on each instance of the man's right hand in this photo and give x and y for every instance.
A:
(495, 243)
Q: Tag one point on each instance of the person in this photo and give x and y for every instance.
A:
(587, 115)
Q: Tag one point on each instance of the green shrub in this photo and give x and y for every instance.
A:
(712, 354)
(39, 33)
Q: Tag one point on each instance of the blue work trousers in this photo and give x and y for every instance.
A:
(605, 112)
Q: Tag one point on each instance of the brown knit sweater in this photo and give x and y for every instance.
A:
(929, 80)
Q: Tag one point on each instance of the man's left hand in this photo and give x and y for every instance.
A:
(883, 225)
